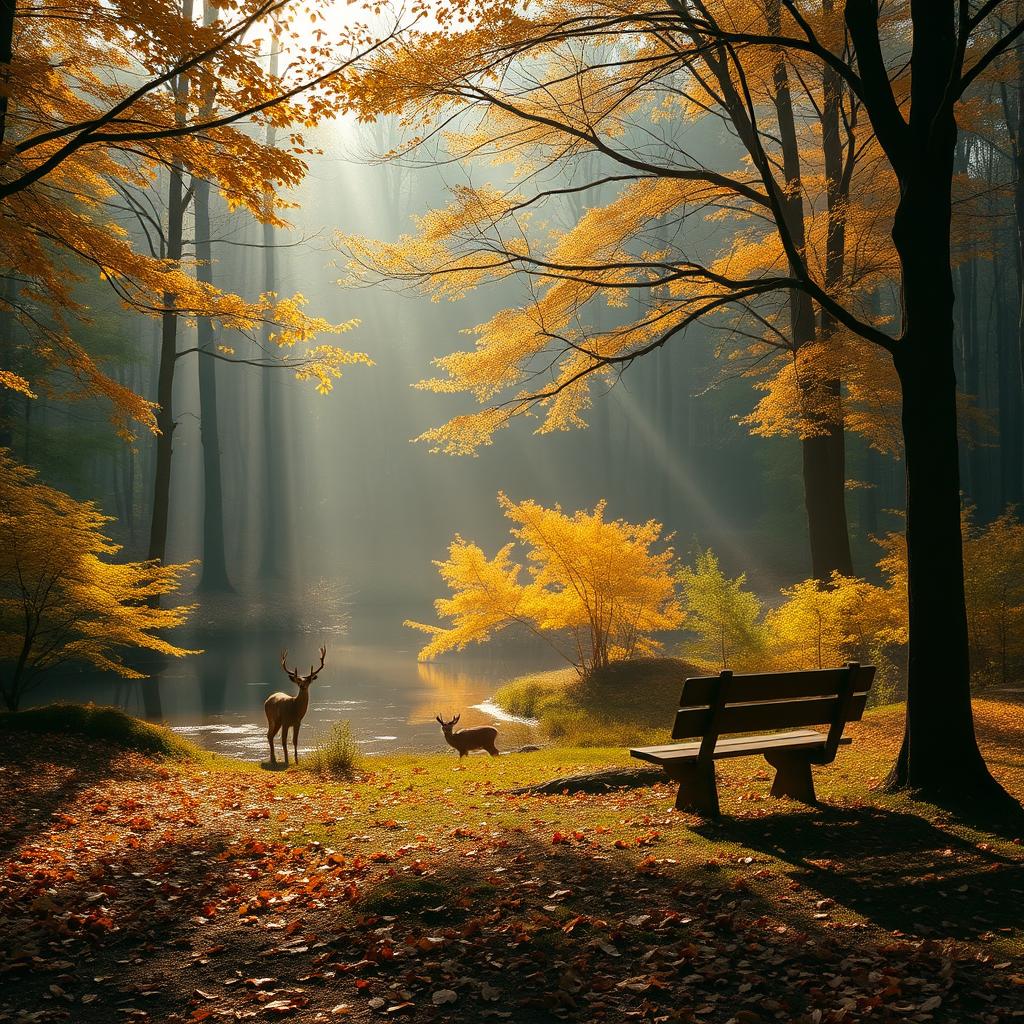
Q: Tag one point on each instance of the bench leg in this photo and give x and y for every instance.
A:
(792, 775)
(698, 791)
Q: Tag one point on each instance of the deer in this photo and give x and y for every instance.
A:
(285, 712)
(465, 740)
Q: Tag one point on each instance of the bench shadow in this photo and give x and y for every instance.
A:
(900, 871)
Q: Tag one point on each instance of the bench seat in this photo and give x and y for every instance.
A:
(736, 746)
(732, 716)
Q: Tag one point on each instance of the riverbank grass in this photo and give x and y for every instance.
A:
(626, 704)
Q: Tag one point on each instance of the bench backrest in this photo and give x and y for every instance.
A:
(710, 706)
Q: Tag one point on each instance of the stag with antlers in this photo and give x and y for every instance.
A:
(285, 712)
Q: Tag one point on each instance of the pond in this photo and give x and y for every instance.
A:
(371, 678)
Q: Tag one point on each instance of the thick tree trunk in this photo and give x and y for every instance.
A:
(939, 757)
(214, 577)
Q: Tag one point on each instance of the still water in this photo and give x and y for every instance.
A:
(371, 678)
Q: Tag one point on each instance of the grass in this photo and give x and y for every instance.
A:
(334, 753)
(624, 704)
(107, 724)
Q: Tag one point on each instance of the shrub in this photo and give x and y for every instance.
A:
(335, 753)
(625, 703)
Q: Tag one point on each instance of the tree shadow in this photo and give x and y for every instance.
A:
(524, 931)
(897, 870)
(41, 775)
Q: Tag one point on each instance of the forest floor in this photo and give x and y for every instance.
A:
(133, 889)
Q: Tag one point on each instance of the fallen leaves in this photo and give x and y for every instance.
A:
(545, 913)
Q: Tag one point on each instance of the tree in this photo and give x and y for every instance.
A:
(725, 616)
(911, 107)
(62, 596)
(75, 138)
(625, 114)
(594, 581)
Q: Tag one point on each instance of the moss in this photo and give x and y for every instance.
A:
(107, 724)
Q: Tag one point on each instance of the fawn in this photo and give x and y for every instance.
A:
(465, 740)
(285, 712)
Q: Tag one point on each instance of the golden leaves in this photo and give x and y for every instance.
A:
(63, 597)
(592, 582)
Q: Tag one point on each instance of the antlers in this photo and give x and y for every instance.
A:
(323, 655)
(443, 723)
(293, 673)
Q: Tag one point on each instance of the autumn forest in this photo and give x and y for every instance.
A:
(512, 511)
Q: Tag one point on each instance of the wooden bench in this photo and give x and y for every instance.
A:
(711, 706)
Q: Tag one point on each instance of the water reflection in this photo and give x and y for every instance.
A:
(371, 678)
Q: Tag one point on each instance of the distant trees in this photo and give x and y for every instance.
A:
(104, 107)
(62, 596)
(596, 592)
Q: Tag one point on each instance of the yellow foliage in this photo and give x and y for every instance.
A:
(994, 588)
(62, 596)
(663, 237)
(592, 582)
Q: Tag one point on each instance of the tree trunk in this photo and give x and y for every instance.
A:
(939, 757)
(824, 473)
(824, 453)
(274, 542)
(1011, 449)
(176, 205)
(165, 376)
(8, 12)
(824, 477)
(214, 577)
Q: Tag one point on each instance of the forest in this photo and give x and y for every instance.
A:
(618, 407)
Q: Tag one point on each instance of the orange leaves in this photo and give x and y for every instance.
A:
(95, 117)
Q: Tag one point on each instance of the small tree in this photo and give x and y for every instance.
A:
(994, 586)
(725, 617)
(61, 597)
(594, 583)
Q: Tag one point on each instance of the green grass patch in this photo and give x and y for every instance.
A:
(106, 724)
(334, 753)
(628, 702)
